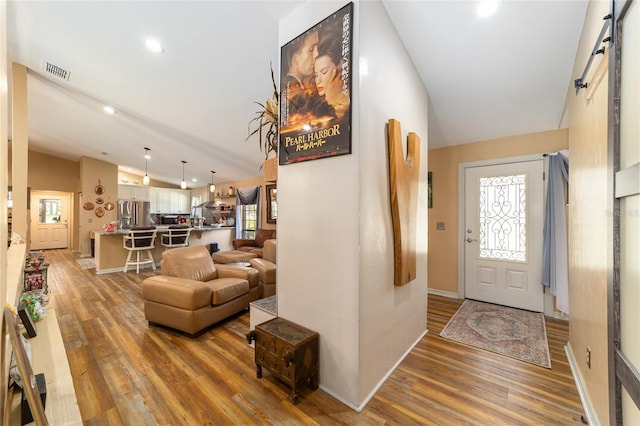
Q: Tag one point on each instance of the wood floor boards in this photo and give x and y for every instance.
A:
(127, 373)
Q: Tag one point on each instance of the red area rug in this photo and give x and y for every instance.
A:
(507, 331)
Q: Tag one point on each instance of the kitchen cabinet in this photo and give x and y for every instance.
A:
(172, 201)
(133, 192)
(181, 201)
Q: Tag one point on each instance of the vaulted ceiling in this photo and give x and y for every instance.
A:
(489, 77)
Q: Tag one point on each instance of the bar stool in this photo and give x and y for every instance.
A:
(177, 236)
(140, 240)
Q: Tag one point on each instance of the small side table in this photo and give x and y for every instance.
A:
(289, 351)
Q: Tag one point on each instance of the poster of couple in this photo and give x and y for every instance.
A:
(315, 99)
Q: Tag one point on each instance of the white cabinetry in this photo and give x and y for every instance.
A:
(133, 192)
(172, 201)
(181, 201)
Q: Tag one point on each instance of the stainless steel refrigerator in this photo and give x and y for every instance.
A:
(132, 213)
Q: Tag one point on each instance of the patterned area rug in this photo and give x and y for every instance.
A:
(86, 262)
(507, 331)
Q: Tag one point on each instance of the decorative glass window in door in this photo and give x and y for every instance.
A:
(49, 211)
(503, 218)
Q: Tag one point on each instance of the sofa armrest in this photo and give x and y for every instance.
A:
(179, 292)
(266, 270)
(240, 242)
(249, 274)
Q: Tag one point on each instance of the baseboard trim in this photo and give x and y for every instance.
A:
(590, 412)
(443, 293)
(364, 403)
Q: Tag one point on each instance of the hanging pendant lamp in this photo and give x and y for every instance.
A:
(145, 180)
(212, 187)
(183, 184)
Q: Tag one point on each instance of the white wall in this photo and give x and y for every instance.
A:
(392, 318)
(335, 247)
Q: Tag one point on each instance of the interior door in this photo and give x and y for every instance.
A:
(624, 282)
(49, 220)
(503, 234)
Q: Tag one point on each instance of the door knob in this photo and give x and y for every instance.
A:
(471, 239)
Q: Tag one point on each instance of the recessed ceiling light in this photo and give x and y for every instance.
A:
(487, 8)
(194, 180)
(109, 110)
(154, 45)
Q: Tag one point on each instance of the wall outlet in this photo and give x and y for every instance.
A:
(588, 357)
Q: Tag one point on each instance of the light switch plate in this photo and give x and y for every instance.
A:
(440, 226)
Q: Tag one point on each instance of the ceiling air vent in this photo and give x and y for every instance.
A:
(55, 70)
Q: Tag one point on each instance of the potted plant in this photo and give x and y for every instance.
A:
(266, 122)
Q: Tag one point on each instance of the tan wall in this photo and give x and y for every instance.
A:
(92, 173)
(443, 163)
(131, 177)
(588, 221)
(48, 173)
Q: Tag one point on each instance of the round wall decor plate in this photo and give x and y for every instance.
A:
(88, 205)
(99, 190)
(99, 212)
(109, 206)
(99, 200)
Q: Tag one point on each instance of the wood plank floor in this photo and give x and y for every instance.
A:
(127, 373)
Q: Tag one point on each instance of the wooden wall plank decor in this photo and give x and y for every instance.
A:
(404, 175)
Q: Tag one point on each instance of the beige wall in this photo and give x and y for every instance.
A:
(92, 173)
(588, 220)
(50, 173)
(443, 163)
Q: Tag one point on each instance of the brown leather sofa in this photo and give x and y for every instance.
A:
(255, 246)
(266, 267)
(192, 293)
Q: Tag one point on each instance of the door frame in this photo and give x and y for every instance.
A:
(622, 372)
(548, 298)
(70, 211)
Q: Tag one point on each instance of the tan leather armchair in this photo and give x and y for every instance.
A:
(266, 267)
(192, 293)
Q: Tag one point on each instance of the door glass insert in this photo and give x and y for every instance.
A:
(49, 211)
(502, 224)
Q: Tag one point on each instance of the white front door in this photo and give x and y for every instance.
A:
(49, 220)
(503, 234)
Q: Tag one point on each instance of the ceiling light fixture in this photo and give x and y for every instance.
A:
(154, 45)
(145, 179)
(487, 8)
(183, 184)
(109, 109)
(212, 187)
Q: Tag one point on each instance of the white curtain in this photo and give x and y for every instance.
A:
(555, 270)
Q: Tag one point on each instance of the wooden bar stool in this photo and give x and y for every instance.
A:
(177, 236)
(140, 240)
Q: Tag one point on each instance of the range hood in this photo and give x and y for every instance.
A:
(207, 204)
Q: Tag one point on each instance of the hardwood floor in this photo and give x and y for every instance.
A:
(127, 373)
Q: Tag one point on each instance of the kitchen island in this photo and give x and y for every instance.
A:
(110, 255)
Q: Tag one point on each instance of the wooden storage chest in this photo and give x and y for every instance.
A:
(288, 351)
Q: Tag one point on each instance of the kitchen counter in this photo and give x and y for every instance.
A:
(164, 228)
(110, 255)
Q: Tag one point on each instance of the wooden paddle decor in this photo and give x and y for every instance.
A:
(404, 201)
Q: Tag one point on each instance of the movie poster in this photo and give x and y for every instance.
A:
(315, 97)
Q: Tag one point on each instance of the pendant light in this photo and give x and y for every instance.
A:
(183, 184)
(212, 187)
(145, 180)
